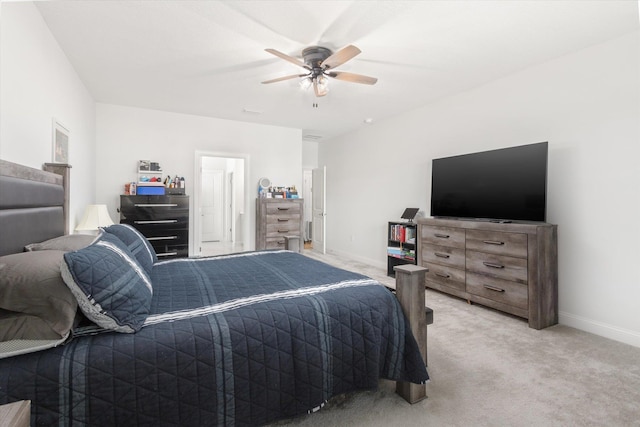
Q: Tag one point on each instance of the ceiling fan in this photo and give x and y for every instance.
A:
(319, 63)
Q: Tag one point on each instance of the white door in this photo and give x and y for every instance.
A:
(212, 205)
(318, 205)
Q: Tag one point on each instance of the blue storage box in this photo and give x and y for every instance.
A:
(144, 190)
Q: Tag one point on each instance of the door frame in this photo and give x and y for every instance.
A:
(195, 238)
(322, 248)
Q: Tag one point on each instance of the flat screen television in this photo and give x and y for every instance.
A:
(507, 184)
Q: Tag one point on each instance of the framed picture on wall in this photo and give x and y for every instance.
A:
(60, 143)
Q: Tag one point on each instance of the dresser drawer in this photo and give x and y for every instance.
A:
(286, 207)
(495, 242)
(165, 234)
(275, 242)
(439, 275)
(282, 219)
(168, 251)
(503, 267)
(452, 257)
(157, 202)
(289, 228)
(503, 291)
(442, 236)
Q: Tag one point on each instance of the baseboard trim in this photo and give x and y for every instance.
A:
(354, 257)
(615, 333)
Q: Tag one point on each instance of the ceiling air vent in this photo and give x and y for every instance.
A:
(311, 137)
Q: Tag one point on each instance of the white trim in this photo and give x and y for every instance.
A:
(364, 260)
(605, 330)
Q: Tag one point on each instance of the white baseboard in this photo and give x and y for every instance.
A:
(368, 261)
(615, 333)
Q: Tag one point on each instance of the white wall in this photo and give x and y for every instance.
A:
(37, 83)
(126, 135)
(586, 105)
(309, 154)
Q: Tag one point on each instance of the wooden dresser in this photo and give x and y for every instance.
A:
(163, 220)
(512, 267)
(277, 218)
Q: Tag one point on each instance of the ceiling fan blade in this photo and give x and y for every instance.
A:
(353, 78)
(288, 58)
(279, 79)
(340, 57)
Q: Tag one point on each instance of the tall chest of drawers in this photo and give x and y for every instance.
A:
(163, 220)
(276, 219)
(511, 267)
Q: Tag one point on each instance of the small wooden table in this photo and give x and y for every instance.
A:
(16, 414)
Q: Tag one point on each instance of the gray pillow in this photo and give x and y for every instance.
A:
(33, 292)
(70, 242)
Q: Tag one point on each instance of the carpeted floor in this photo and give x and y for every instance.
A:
(490, 369)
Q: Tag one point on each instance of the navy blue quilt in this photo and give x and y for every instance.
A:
(244, 339)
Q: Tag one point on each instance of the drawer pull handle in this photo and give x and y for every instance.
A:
(281, 243)
(493, 288)
(158, 221)
(444, 276)
(282, 220)
(162, 238)
(440, 255)
(441, 236)
(493, 242)
(155, 205)
(167, 254)
(283, 231)
(492, 265)
(283, 209)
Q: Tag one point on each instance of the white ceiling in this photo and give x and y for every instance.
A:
(207, 57)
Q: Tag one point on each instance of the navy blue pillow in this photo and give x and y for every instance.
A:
(137, 244)
(111, 288)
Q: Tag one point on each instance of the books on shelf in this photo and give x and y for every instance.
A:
(404, 253)
(403, 234)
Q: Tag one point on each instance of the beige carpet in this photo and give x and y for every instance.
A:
(491, 369)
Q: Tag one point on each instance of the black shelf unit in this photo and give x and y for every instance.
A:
(401, 245)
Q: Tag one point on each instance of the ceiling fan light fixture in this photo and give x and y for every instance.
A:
(305, 83)
(323, 85)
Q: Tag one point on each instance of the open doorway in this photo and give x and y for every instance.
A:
(219, 204)
(307, 184)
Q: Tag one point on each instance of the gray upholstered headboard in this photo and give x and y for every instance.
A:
(32, 206)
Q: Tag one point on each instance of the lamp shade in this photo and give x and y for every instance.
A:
(95, 216)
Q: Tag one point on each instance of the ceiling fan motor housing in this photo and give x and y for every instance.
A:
(313, 57)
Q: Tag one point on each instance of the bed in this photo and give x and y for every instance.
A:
(241, 339)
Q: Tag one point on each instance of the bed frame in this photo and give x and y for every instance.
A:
(34, 207)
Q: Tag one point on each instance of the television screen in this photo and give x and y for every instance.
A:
(504, 184)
